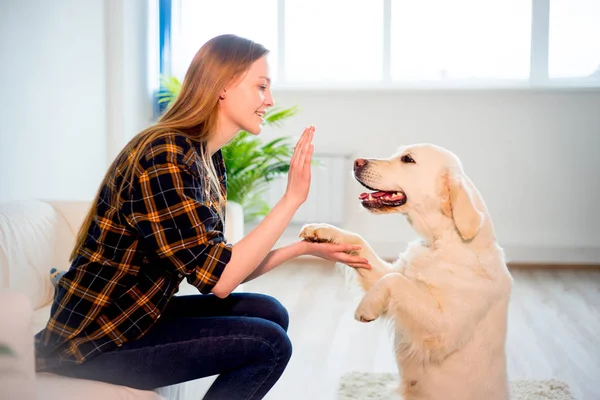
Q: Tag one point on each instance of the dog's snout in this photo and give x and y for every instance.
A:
(359, 164)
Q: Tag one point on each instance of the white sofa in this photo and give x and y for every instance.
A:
(36, 236)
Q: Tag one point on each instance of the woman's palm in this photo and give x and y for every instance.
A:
(299, 174)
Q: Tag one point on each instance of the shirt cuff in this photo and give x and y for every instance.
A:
(206, 276)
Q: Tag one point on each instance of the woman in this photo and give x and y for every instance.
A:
(157, 219)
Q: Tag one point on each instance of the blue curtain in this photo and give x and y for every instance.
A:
(164, 53)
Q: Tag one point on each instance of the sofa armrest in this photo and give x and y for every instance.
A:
(17, 367)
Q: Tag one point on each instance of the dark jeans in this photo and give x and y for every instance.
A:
(241, 338)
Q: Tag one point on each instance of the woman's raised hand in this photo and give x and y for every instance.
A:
(300, 169)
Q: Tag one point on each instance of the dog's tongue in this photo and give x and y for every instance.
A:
(380, 194)
(375, 195)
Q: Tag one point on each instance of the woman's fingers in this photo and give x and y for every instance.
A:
(308, 141)
(299, 146)
(309, 154)
(348, 259)
(305, 147)
(296, 149)
(344, 247)
(298, 176)
(360, 265)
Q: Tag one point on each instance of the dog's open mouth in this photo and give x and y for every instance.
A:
(381, 198)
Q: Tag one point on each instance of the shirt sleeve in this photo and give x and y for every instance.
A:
(169, 211)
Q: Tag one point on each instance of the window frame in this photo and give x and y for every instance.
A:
(538, 72)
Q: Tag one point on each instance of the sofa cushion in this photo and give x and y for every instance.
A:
(74, 212)
(40, 318)
(34, 237)
(56, 387)
(17, 377)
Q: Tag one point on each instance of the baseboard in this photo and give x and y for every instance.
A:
(554, 266)
(524, 255)
(563, 256)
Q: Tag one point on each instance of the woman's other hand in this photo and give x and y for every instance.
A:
(336, 252)
(299, 174)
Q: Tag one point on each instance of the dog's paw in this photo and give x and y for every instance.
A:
(320, 233)
(366, 311)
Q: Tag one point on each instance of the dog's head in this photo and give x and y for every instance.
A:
(427, 184)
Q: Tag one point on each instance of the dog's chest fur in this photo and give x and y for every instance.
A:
(453, 279)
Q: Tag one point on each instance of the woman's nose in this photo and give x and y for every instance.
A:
(269, 100)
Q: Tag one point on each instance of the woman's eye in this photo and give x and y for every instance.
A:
(407, 159)
(263, 88)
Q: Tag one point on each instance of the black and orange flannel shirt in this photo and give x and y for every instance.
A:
(136, 254)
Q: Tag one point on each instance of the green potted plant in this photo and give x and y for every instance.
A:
(251, 164)
(5, 351)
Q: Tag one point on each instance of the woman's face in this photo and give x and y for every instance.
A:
(244, 102)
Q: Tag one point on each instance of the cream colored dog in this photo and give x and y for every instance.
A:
(448, 293)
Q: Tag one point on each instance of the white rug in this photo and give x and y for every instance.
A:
(373, 386)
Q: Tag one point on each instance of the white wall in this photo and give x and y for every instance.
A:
(53, 103)
(74, 90)
(532, 153)
(129, 98)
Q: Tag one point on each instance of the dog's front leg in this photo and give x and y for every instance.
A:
(375, 302)
(437, 328)
(332, 234)
(395, 291)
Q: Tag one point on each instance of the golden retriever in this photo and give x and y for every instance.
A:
(448, 293)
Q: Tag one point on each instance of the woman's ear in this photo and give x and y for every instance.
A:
(457, 202)
(223, 94)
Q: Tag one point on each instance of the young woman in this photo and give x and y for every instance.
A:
(158, 219)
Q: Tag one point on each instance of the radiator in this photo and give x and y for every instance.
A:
(325, 201)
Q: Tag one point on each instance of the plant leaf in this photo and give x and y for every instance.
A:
(6, 351)
(275, 116)
(169, 89)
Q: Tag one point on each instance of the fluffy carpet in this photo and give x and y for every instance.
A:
(373, 386)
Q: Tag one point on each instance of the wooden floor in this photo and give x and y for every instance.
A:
(554, 329)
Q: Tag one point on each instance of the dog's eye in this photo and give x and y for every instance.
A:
(407, 159)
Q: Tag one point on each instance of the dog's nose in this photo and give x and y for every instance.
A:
(359, 163)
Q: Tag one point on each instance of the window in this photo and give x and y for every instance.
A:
(198, 21)
(460, 39)
(381, 43)
(337, 40)
(574, 38)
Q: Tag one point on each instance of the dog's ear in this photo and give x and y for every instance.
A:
(457, 202)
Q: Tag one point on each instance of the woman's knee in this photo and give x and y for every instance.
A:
(277, 342)
(272, 310)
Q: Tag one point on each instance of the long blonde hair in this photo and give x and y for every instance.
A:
(194, 114)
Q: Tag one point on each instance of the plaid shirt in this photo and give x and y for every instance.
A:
(136, 253)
